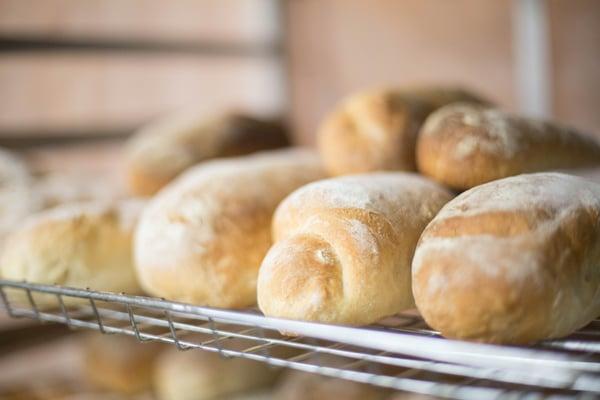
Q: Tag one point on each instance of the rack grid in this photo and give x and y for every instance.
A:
(399, 353)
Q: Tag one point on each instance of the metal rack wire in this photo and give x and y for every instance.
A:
(400, 353)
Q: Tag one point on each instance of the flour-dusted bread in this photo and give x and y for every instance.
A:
(162, 150)
(465, 145)
(119, 363)
(512, 261)
(343, 248)
(199, 375)
(77, 245)
(202, 238)
(377, 129)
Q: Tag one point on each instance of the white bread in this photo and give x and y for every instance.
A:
(77, 245)
(119, 363)
(377, 129)
(343, 248)
(165, 148)
(198, 375)
(202, 238)
(512, 261)
(305, 386)
(465, 145)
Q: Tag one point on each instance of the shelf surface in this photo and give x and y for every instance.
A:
(400, 352)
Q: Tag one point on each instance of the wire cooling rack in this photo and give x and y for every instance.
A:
(399, 353)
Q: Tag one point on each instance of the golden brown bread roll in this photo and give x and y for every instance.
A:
(512, 261)
(377, 129)
(202, 238)
(343, 248)
(465, 145)
(305, 386)
(119, 363)
(77, 245)
(164, 149)
(199, 375)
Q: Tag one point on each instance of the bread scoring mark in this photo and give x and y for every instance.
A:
(362, 236)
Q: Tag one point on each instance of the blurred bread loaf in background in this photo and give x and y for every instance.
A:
(343, 248)
(512, 261)
(377, 129)
(119, 363)
(17, 197)
(202, 238)
(465, 145)
(163, 149)
(78, 245)
(296, 385)
(199, 375)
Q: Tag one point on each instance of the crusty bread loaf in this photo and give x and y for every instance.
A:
(343, 248)
(77, 245)
(465, 145)
(377, 129)
(304, 386)
(163, 149)
(202, 238)
(199, 375)
(512, 261)
(119, 363)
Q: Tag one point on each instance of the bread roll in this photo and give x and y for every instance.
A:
(202, 238)
(77, 245)
(343, 248)
(199, 375)
(465, 145)
(512, 261)
(119, 363)
(377, 129)
(163, 149)
(306, 386)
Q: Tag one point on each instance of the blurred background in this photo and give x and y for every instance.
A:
(78, 77)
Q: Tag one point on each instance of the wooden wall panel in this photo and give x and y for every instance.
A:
(338, 46)
(50, 92)
(575, 35)
(174, 20)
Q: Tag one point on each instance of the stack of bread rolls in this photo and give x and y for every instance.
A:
(511, 260)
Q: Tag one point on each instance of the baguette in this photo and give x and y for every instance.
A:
(465, 145)
(343, 248)
(512, 261)
(162, 150)
(377, 129)
(202, 238)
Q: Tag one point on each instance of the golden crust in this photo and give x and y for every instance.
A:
(343, 248)
(162, 150)
(76, 245)
(202, 238)
(465, 145)
(377, 130)
(512, 261)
